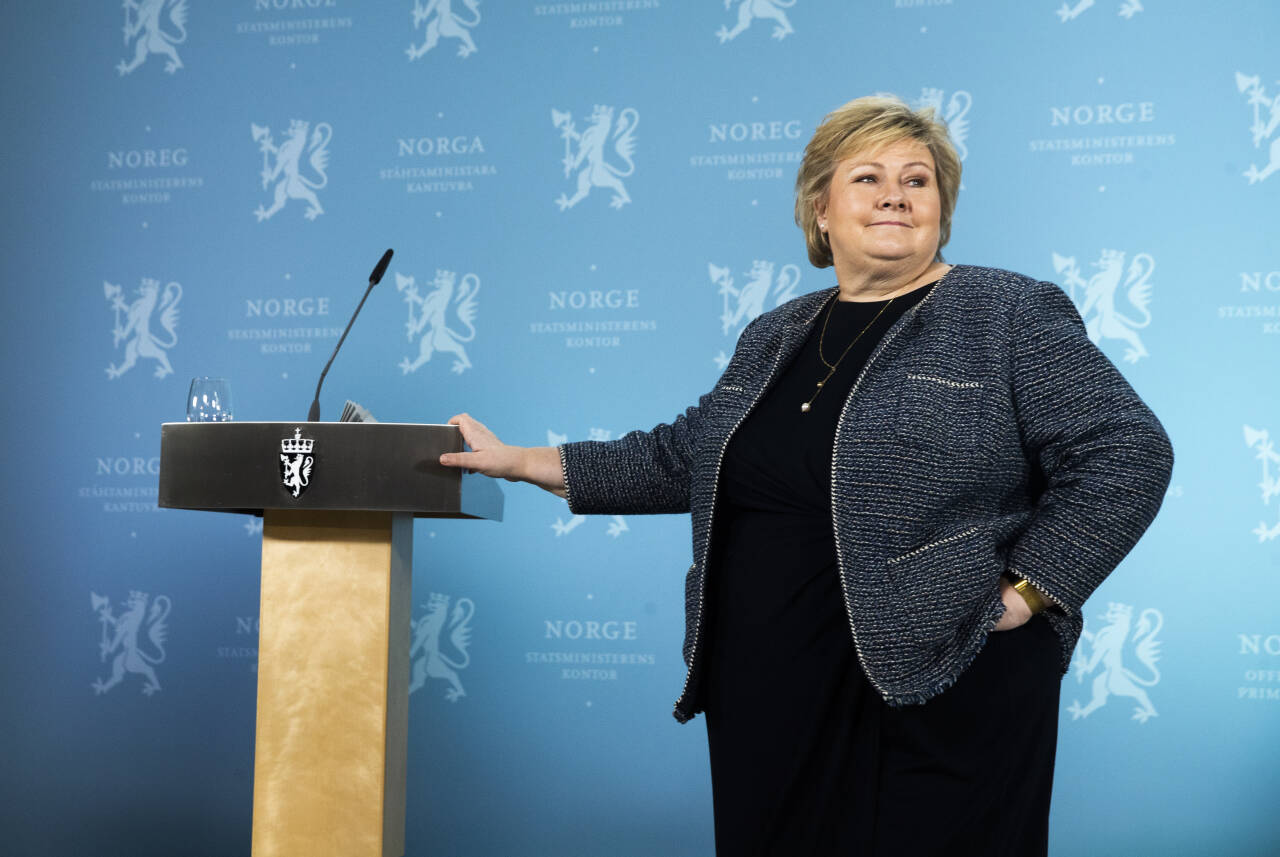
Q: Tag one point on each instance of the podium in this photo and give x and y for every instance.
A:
(337, 502)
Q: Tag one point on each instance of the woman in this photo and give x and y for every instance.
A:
(916, 479)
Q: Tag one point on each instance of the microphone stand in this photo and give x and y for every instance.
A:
(313, 414)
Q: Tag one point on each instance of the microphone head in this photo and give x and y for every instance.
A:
(380, 268)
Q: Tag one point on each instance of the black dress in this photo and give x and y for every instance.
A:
(806, 758)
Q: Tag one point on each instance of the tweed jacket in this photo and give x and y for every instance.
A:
(986, 434)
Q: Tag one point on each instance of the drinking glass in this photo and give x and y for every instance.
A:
(209, 401)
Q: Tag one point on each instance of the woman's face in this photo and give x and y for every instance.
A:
(882, 209)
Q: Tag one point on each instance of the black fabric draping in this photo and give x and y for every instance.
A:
(806, 758)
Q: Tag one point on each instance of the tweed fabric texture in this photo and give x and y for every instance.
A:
(985, 434)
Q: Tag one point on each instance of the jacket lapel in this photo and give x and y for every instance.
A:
(796, 328)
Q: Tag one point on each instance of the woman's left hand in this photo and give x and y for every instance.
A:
(1016, 610)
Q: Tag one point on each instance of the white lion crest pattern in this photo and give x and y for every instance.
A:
(1128, 8)
(136, 637)
(761, 291)
(445, 23)
(1102, 318)
(296, 472)
(955, 115)
(440, 642)
(286, 171)
(1260, 440)
(133, 325)
(594, 170)
(152, 31)
(1107, 648)
(430, 315)
(1263, 127)
(749, 10)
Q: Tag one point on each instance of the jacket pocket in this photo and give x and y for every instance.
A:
(946, 583)
(944, 415)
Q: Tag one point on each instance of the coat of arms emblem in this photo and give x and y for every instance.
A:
(440, 642)
(296, 462)
(154, 27)
(1128, 8)
(590, 160)
(448, 301)
(445, 22)
(1260, 440)
(1105, 654)
(1096, 297)
(136, 638)
(750, 10)
(1263, 127)
(955, 114)
(291, 180)
(742, 303)
(133, 324)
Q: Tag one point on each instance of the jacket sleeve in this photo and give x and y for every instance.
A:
(1105, 458)
(639, 473)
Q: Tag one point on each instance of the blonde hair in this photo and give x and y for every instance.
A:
(866, 125)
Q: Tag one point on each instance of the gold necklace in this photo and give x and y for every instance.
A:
(804, 409)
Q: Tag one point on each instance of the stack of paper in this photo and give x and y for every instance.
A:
(355, 413)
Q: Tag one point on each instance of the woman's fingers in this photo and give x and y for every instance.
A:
(458, 459)
(474, 432)
(488, 455)
(539, 465)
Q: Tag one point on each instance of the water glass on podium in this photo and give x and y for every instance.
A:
(209, 401)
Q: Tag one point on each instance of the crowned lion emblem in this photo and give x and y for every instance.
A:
(430, 316)
(955, 114)
(136, 637)
(749, 10)
(762, 290)
(1106, 650)
(1260, 440)
(1067, 12)
(440, 642)
(291, 182)
(445, 23)
(133, 324)
(154, 27)
(1103, 317)
(743, 303)
(590, 160)
(1264, 126)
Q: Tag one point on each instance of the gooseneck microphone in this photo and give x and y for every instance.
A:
(313, 415)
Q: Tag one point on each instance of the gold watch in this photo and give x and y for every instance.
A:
(1037, 602)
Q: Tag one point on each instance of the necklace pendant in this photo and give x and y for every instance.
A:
(804, 409)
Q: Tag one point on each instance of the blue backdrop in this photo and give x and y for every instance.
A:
(588, 201)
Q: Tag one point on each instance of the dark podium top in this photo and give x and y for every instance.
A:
(382, 467)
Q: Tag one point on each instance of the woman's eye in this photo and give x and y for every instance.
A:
(867, 178)
(917, 182)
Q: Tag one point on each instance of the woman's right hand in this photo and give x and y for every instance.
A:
(1016, 610)
(538, 465)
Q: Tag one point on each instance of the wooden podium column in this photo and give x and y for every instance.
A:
(333, 675)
